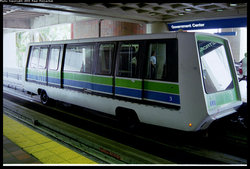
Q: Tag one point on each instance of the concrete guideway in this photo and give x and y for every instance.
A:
(113, 152)
(102, 148)
(43, 148)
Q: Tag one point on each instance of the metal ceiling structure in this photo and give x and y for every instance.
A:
(130, 12)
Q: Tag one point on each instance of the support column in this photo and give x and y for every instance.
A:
(103, 28)
(9, 50)
(237, 42)
(100, 28)
(157, 27)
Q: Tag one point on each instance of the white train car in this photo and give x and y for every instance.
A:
(177, 80)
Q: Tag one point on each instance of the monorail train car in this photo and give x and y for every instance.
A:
(176, 80)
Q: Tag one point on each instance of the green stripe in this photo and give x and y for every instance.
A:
(54, 74)
(88, 78)
(102, 80)
(161, 87)
(128, 83)
(37, 72)
(119, 82)
(221, 98)
(218, 99)
(210, 38)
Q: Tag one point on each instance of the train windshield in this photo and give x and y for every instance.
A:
(215, 67)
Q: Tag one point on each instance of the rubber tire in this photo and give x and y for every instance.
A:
(44, 98)
(128, 121)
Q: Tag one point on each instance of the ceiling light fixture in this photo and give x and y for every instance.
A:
(219, 10)
(233, 5)
(187, 9)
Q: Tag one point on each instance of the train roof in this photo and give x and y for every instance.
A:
(118, 38)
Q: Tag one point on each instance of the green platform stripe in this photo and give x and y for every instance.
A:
(161, 87)
(128, 83)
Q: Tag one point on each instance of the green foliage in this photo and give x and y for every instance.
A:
(53, 33)
(22, 40)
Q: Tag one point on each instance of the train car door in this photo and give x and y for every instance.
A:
(54, 66)
(161, 72)
(128, 81)
(103, 78)
(36, 68)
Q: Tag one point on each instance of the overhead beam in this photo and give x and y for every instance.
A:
(54, 19)
(16, 23)
(210, 15)
(83, 10)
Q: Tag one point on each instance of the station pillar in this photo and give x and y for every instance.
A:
(238, 42)
(157, 27)
(102, 28)
(9, 50)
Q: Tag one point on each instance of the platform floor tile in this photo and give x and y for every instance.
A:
(37, 146)
(12, 154)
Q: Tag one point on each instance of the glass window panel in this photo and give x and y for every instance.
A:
(43, 57)
(79, 58)
(104, 62)
(156, 60)
(34, 58)
(54, 58)
(128, 60)
(162, 62)
(215, 67)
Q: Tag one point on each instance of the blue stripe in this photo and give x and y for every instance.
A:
(37, 78)
(163, 97)
(151, 95)
(226, 33)
(54, 80)
(209, 24)
(128, 92)
(103, 88)
(87, 85)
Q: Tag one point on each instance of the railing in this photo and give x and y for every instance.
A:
(12, 77)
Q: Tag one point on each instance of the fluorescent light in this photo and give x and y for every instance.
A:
(233, 5)
(188, 9)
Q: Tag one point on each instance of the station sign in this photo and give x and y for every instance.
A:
(208, 24)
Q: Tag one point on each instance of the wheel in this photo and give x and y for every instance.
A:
(44, 98)
(128, 120)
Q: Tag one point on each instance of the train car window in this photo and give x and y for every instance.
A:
(104, 62)
(79, 58)
(215, 67)
(54, 58)
(162, 60)
(128, 60)
(34, 58)
(43, 57)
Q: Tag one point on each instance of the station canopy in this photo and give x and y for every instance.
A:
(21, 15)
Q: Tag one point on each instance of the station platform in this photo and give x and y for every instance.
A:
(23, 145)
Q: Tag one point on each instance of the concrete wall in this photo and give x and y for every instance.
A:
(157, 27)
(53, 19)
(237, 42)
(90, 28)
(9, 50)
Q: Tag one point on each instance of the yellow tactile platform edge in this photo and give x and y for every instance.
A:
(43, 148)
